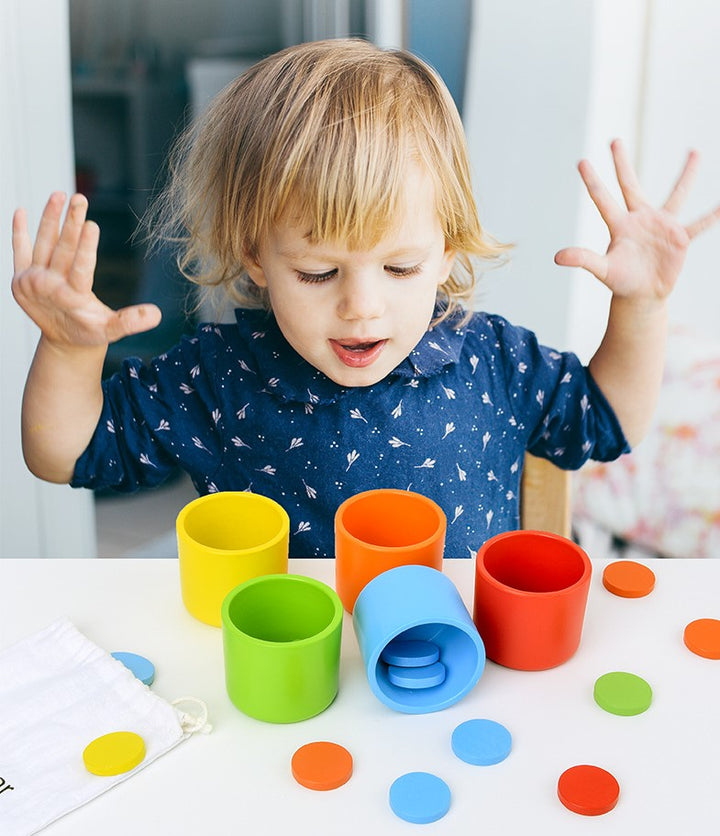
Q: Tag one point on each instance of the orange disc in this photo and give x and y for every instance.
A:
(703, 637)
(322, 765)
(588, 790)
(628, 579)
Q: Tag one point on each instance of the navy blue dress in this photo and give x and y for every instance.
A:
(238, 409)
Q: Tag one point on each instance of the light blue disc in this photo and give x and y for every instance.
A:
(143, 668)
(481, 742)
(410, 653)
(419, 797)
(426, 677)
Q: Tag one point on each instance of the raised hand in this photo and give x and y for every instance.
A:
(647, 245)
(54, 277)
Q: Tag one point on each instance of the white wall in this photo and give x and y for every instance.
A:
(614, 109)
(36, 519)
(552, 82)
(525, 114)
(682, 111)
(385, 23)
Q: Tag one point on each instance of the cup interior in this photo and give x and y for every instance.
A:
(282, 608)
(391, 519)
(534, 562)
(230, 521)
(458, 653)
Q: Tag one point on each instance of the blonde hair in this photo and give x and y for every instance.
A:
(324, 130)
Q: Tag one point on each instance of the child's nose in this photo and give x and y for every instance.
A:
(361, 298)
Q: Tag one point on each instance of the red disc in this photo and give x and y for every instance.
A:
(322, 765)
(588, 790)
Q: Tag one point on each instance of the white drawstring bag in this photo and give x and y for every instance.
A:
(58, 693)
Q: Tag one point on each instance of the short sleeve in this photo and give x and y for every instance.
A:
(156, 417)
(566, 417)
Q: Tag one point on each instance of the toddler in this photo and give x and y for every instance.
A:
(326, 192)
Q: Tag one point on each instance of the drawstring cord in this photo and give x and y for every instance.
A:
(193, 721)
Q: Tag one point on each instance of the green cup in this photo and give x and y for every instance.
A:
(281, 640)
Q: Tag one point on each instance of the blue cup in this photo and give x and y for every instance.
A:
(418, 603)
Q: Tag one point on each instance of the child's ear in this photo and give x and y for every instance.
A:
(254, 269)
(448, 260)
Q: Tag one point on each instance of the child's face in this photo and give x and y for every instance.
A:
(355, 315)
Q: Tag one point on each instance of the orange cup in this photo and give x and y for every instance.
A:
(531, 590)
(381, 529)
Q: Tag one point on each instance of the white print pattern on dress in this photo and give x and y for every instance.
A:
(449, 428)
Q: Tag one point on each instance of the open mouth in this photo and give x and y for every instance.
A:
(357, 353)
(360, 347)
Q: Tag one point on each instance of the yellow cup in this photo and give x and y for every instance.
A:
(224, 539)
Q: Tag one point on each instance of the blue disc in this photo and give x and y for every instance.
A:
(426, 677)
(410, 653)
(419, 797)
(143, 668)
(481, 742)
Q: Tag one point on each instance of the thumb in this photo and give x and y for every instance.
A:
(134, 319)
(587, 259)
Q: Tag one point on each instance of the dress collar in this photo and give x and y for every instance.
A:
(285, 374)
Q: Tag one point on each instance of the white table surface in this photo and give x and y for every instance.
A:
(238, 779)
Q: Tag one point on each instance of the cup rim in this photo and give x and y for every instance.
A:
(481, 569)
(337, 616)
(214, 551)
(352, 500)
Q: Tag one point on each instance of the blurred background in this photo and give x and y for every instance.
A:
(92, 92)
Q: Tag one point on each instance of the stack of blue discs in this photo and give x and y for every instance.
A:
(413, 663)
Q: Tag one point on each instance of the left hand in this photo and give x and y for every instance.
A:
(647, 245)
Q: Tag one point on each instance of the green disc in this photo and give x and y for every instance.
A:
(623, 693)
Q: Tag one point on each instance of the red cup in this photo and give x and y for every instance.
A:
(381, 529)
(531, 590)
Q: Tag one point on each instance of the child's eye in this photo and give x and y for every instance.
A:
(403, 271)
(315, 278)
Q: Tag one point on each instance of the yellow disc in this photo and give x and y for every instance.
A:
(115, 753)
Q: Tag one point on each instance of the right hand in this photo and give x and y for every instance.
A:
(54, 277)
